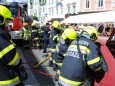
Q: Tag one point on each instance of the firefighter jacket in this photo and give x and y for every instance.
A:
(26, 34)
(34, 31)
(41, 34)
(60, 51)
(53, 40)
(72, 68)
(9, 58)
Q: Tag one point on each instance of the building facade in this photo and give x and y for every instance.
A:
(47, 9)
(97, 5)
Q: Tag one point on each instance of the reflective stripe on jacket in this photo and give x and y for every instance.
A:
(26, 34)
(53, 39)
(60, 51)
(9, 58)
(72, 64)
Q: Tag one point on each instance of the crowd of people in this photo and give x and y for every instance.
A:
(74, 53)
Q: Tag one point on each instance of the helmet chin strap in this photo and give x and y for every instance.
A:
(2, 26)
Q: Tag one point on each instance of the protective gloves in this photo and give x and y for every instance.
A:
(22, 73)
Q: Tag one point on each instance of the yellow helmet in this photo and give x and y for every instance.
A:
(56, 25)
(5, 13)
(33, 24)
(91, 31)
(42, 25)
(69, 33)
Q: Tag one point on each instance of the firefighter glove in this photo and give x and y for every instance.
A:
(22, 73)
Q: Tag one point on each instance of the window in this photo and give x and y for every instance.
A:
(113, 2)
(100, 3)
(68, 9)
(61, 10)
(49, 11)
(52, 2)
(57, 10)
(14, 11)
(43, 9)
(49, 1)
(52, 11)
(74, 9)
(42, 2)
(87, 3)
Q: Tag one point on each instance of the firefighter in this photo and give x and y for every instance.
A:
(53, 40)
(26, 34)
(12, 72)
(34, 33)
(81, 57)
(41, 34)
(66, 38)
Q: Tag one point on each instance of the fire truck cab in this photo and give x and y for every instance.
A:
(18, 15)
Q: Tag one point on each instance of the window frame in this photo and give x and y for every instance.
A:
(87, 3)
(100, 3)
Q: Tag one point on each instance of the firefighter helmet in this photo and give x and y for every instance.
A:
(69, 34)
(5, 13)
(42, 25)
(33, 24)
(56, 25)
(91, 31)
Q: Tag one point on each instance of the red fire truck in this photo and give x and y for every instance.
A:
(19, 13)
(19, 16)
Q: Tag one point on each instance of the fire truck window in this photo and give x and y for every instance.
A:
(14, 12)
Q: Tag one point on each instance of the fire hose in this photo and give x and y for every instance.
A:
(45, 57)
(38, 71)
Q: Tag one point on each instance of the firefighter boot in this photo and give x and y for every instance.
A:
(50, 63)
(56, 77)
(55, 67)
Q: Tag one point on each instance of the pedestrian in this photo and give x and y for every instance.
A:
(81, 57)
(107, 30)
(101, 29)
(12, 72)
(53, 40)
(46, 37)
(65, 40)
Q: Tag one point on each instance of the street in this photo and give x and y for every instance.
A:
(39, 76)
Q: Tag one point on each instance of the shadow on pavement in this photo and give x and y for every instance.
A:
(43, 80)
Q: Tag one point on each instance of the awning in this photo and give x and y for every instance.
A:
(107, 16)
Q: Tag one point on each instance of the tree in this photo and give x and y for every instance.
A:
(35, 18)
